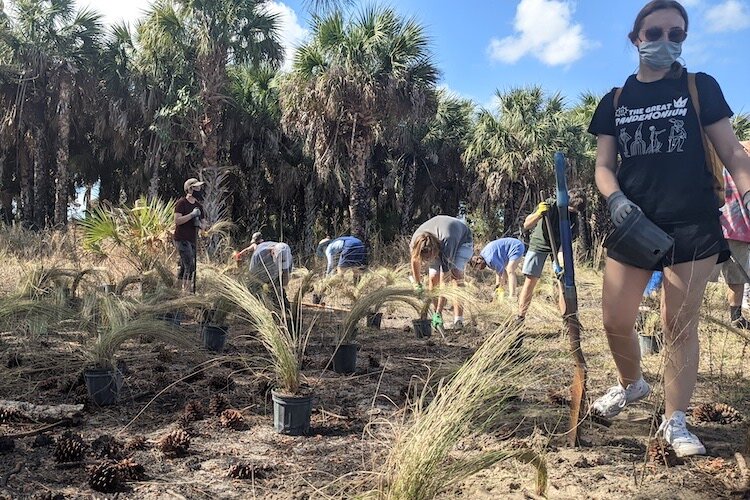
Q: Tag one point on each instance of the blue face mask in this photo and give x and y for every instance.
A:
(660, 54)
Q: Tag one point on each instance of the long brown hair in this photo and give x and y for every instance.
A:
(648, 9)
(426, 247)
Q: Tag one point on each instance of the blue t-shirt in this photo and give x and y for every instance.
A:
(337, 247)
(498, 253)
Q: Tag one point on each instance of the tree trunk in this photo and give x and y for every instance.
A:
(41, 180)
(63, 150)
(310, 212)
(26, 166)
(155, 159)
(359, 194)
(213, 81)
(407, 209)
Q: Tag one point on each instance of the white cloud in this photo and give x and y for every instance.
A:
(544, 29)
(114, 12)
(730, 15)
(290, 31)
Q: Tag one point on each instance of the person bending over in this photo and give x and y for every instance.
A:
(445, 245)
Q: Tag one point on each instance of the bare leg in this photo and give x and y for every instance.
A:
(527, 291)
(458, 277)
(734, 295)
(684, 285)
(510, 272)
(621, 295)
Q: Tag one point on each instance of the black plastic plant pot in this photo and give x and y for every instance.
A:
(171, 318)
(103, 385)
(214, 337)
(423, 328)
(345, 358)
(291, 414)
(316, 298)
(374, 320)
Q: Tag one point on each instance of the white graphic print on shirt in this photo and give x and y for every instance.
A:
(638, 146)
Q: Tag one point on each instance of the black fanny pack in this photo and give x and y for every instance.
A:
(639, 241)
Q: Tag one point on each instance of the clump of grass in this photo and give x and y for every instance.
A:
(101, 353)
(421, 463)
(371, 302)
(284, 339)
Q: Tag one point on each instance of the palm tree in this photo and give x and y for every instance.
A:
(351, 84)
(741, 125)
(54, 45)
(511, 151)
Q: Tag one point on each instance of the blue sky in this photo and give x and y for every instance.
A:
(565, 46)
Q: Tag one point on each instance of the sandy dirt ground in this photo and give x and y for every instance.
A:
(352, 416)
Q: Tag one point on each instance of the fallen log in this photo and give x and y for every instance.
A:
(43, 413)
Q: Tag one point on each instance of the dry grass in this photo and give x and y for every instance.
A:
(421, 463)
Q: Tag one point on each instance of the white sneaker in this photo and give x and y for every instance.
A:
(458, 325)
(618, 397)
(684, 442)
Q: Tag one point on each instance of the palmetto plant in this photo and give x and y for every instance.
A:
(352, 83)
(141, 232)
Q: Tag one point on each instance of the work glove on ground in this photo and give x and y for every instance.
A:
(619, 207)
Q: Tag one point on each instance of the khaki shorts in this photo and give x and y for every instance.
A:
(735, 271)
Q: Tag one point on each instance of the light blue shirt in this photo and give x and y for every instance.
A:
(498, 253)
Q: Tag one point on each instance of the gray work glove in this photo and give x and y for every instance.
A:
(195, 213)
(619, 207)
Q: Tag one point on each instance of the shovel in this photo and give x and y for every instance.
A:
(569, 299)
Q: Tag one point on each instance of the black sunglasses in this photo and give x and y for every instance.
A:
(677, 35)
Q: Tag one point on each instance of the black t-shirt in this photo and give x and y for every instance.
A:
(539, 241)
(188, 230)
(663, 166)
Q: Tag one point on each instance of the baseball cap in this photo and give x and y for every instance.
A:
(192, 182)
(257, 237)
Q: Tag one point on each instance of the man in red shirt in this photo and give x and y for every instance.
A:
(187, 220)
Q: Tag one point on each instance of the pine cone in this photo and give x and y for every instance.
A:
(559, 398)
(661, 452)
(716, 412)
(106, 446)
(175, 444)
(131, 470)
(221, 382)
(136, 443)
(104, 477)
(232, 419)
(10, 415)
(7, 444)
(248, 471)
(218, 404)
(165, 356)
(194, 410)
(69, 448)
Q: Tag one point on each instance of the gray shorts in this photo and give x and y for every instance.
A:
(463, 256)
(533, 263)
(736, 270)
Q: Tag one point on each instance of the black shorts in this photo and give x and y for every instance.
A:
(693, 241)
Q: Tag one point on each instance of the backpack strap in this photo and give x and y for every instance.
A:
(618, 93)
(713, 162)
